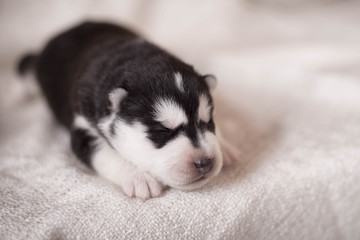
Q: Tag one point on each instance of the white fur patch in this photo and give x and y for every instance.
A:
(115, 97)
(169, 113)
(204, 108)
(107, 163)
(82, 123)
(111, 166)
(179, 81)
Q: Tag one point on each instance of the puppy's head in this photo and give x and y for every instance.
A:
(164, 124)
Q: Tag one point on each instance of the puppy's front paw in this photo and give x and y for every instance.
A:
(142, 185)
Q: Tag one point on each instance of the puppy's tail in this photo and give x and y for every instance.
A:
(27, 64)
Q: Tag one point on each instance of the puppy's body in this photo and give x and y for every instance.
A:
(137, 115)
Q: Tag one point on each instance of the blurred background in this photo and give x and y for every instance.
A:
(288, 96)
(292, 43)
(270, 56)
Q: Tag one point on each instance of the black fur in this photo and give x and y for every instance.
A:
(83, 145)
(78, 69)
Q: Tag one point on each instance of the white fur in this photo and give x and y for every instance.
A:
(204, 108)
(82, 123)
(108, 164)
(171, 164)
(179, 81)
(115, 97)
(169, 113)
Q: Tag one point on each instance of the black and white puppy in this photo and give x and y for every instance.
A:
(138, 116)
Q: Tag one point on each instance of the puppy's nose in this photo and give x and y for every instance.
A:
(204, 166)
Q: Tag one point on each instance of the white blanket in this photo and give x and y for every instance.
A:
(288, 97)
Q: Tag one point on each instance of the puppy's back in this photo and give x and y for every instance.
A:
(56, 66)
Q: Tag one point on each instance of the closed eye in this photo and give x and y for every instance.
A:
(160, 135)
(159, 128)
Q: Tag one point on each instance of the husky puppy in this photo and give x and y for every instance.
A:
(137, 115)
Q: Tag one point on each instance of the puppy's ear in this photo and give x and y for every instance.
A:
(115, 97)
(211, 81)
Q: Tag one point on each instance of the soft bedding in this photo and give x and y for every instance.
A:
(288, 98)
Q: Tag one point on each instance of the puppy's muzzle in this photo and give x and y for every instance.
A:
(204, 166)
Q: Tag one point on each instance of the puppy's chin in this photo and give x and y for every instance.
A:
(189, 185)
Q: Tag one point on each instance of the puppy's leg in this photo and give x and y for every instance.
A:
(94, 151)
(135, 183)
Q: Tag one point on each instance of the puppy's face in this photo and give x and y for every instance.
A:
(165, 126)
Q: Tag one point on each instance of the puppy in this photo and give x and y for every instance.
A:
(137, 115)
